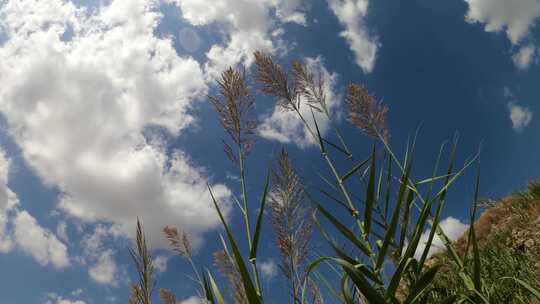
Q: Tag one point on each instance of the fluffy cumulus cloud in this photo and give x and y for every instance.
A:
(20, 230)
(453, 228)
(38, 242)
(351, 14)
(246, 24)
(515, 17)
(286, 126)
(80, 89)
(520, 116)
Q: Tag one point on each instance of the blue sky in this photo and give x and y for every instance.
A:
(104, 119)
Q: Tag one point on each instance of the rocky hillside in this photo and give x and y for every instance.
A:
(508, 234)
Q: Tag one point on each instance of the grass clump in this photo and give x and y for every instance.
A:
(372, 232)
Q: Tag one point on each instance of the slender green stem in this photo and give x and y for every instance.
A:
(246, 217)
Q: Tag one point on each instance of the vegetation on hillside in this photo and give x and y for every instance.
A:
(372, 231)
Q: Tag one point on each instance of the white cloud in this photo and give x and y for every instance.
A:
(246, 24)
(38, 242)
(453, 228)
(8, 200)
(102, 266)
(78, 108)
(351, 14)
(515, 17)
(53, 298)
(520, 116)
(104, 271)
(524, 57)
(291, 11)
(286, 127)
(268, 269)
(160, 263)
(192, 300)
(61, 231)
(25, 234)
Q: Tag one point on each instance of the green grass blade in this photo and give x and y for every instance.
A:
(418, 289)
(321, 142)
(370, 293)
(344, 256)
(258, 226)
(390, 233)
(431, 234)
(343, 230)
(406, 220)
(441, 203)
(340, 149)
(370, 197)
(249, 287)
(338, 201)
(476, 250)
(380, 179)
(215, 289)
(388, 187)
(354, 169)
(525, 285)
(208, 291)
(450, 299)
(397, 276)
(347, 297)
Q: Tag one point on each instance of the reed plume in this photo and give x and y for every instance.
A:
(366, 113)
(167, 296)
(291, 222)
(141, 293)
(273, 80)
(309, 86)
(179, 242)
(233, 105)
(228, 269)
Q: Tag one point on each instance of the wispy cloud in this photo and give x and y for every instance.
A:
(104, 271)
(524, 57)
(268, 269)
(351, 14)
(25, 233)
